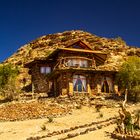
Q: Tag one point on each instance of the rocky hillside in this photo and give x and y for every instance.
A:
(116, 48)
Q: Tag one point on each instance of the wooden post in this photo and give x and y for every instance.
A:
(55, 88)
(125, 100)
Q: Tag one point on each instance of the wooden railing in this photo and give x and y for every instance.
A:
(67, 62)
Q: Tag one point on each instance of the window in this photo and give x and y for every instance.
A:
(78, 62)
(79, 83)
(106, 85)
(77, 47)
(84, 63)
(45, 70)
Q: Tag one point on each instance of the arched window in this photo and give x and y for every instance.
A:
(106, 85)
(79, 83)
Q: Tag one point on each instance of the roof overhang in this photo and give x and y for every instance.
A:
(99, 56)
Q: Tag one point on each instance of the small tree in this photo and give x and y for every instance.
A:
(129, 76)
(8, 74)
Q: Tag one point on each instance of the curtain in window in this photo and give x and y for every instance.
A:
(109, 81)
(74, 62)
(83, 79)
(79, 83)
(42, 70)
(85, 62)
(102, 81)
(48, 70)
(45, 70)
(74, 79)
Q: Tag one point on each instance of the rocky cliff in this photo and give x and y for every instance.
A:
(116, 48)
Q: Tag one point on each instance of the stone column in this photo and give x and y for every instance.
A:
(70, 88)
(64, 84)
(89, 89)
(116, 89)
(98, 88)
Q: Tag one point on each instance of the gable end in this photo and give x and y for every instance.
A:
(79, 45)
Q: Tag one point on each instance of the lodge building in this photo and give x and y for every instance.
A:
(72, 70)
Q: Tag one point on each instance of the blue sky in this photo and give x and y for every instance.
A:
(22, 21)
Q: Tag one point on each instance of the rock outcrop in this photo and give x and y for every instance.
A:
(117, 49)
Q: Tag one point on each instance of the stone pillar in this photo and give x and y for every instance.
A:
(116, 89)
(70, 88)
(64, 83)
(98, 88)
(89, 89)
(64, 91)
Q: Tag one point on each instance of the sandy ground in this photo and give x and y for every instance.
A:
(21, 130)
(101, 134)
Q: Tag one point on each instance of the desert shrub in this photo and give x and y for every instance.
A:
(43, 127)
(101, 115)
(79, 107)
(64, 38)
(137, 120)
(50, 119)
(128, 77)
(98, 107)
(8, 75)
(120, 40)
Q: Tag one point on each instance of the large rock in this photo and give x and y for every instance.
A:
(41, 47)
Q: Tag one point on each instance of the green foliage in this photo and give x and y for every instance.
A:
(43, 127)
(50, 119)
(119, 39)
(79, 107)
(129, 75)
(7, 74)
(101, 115)
(137, 120)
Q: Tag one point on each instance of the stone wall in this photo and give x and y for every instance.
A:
(39, 81)
(63, 82)
(93, 83)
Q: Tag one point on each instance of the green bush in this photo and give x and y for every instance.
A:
(79, 107)
(8, 75)
(101, 115)
(50, 119)
(128, 77)
(43, 127)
